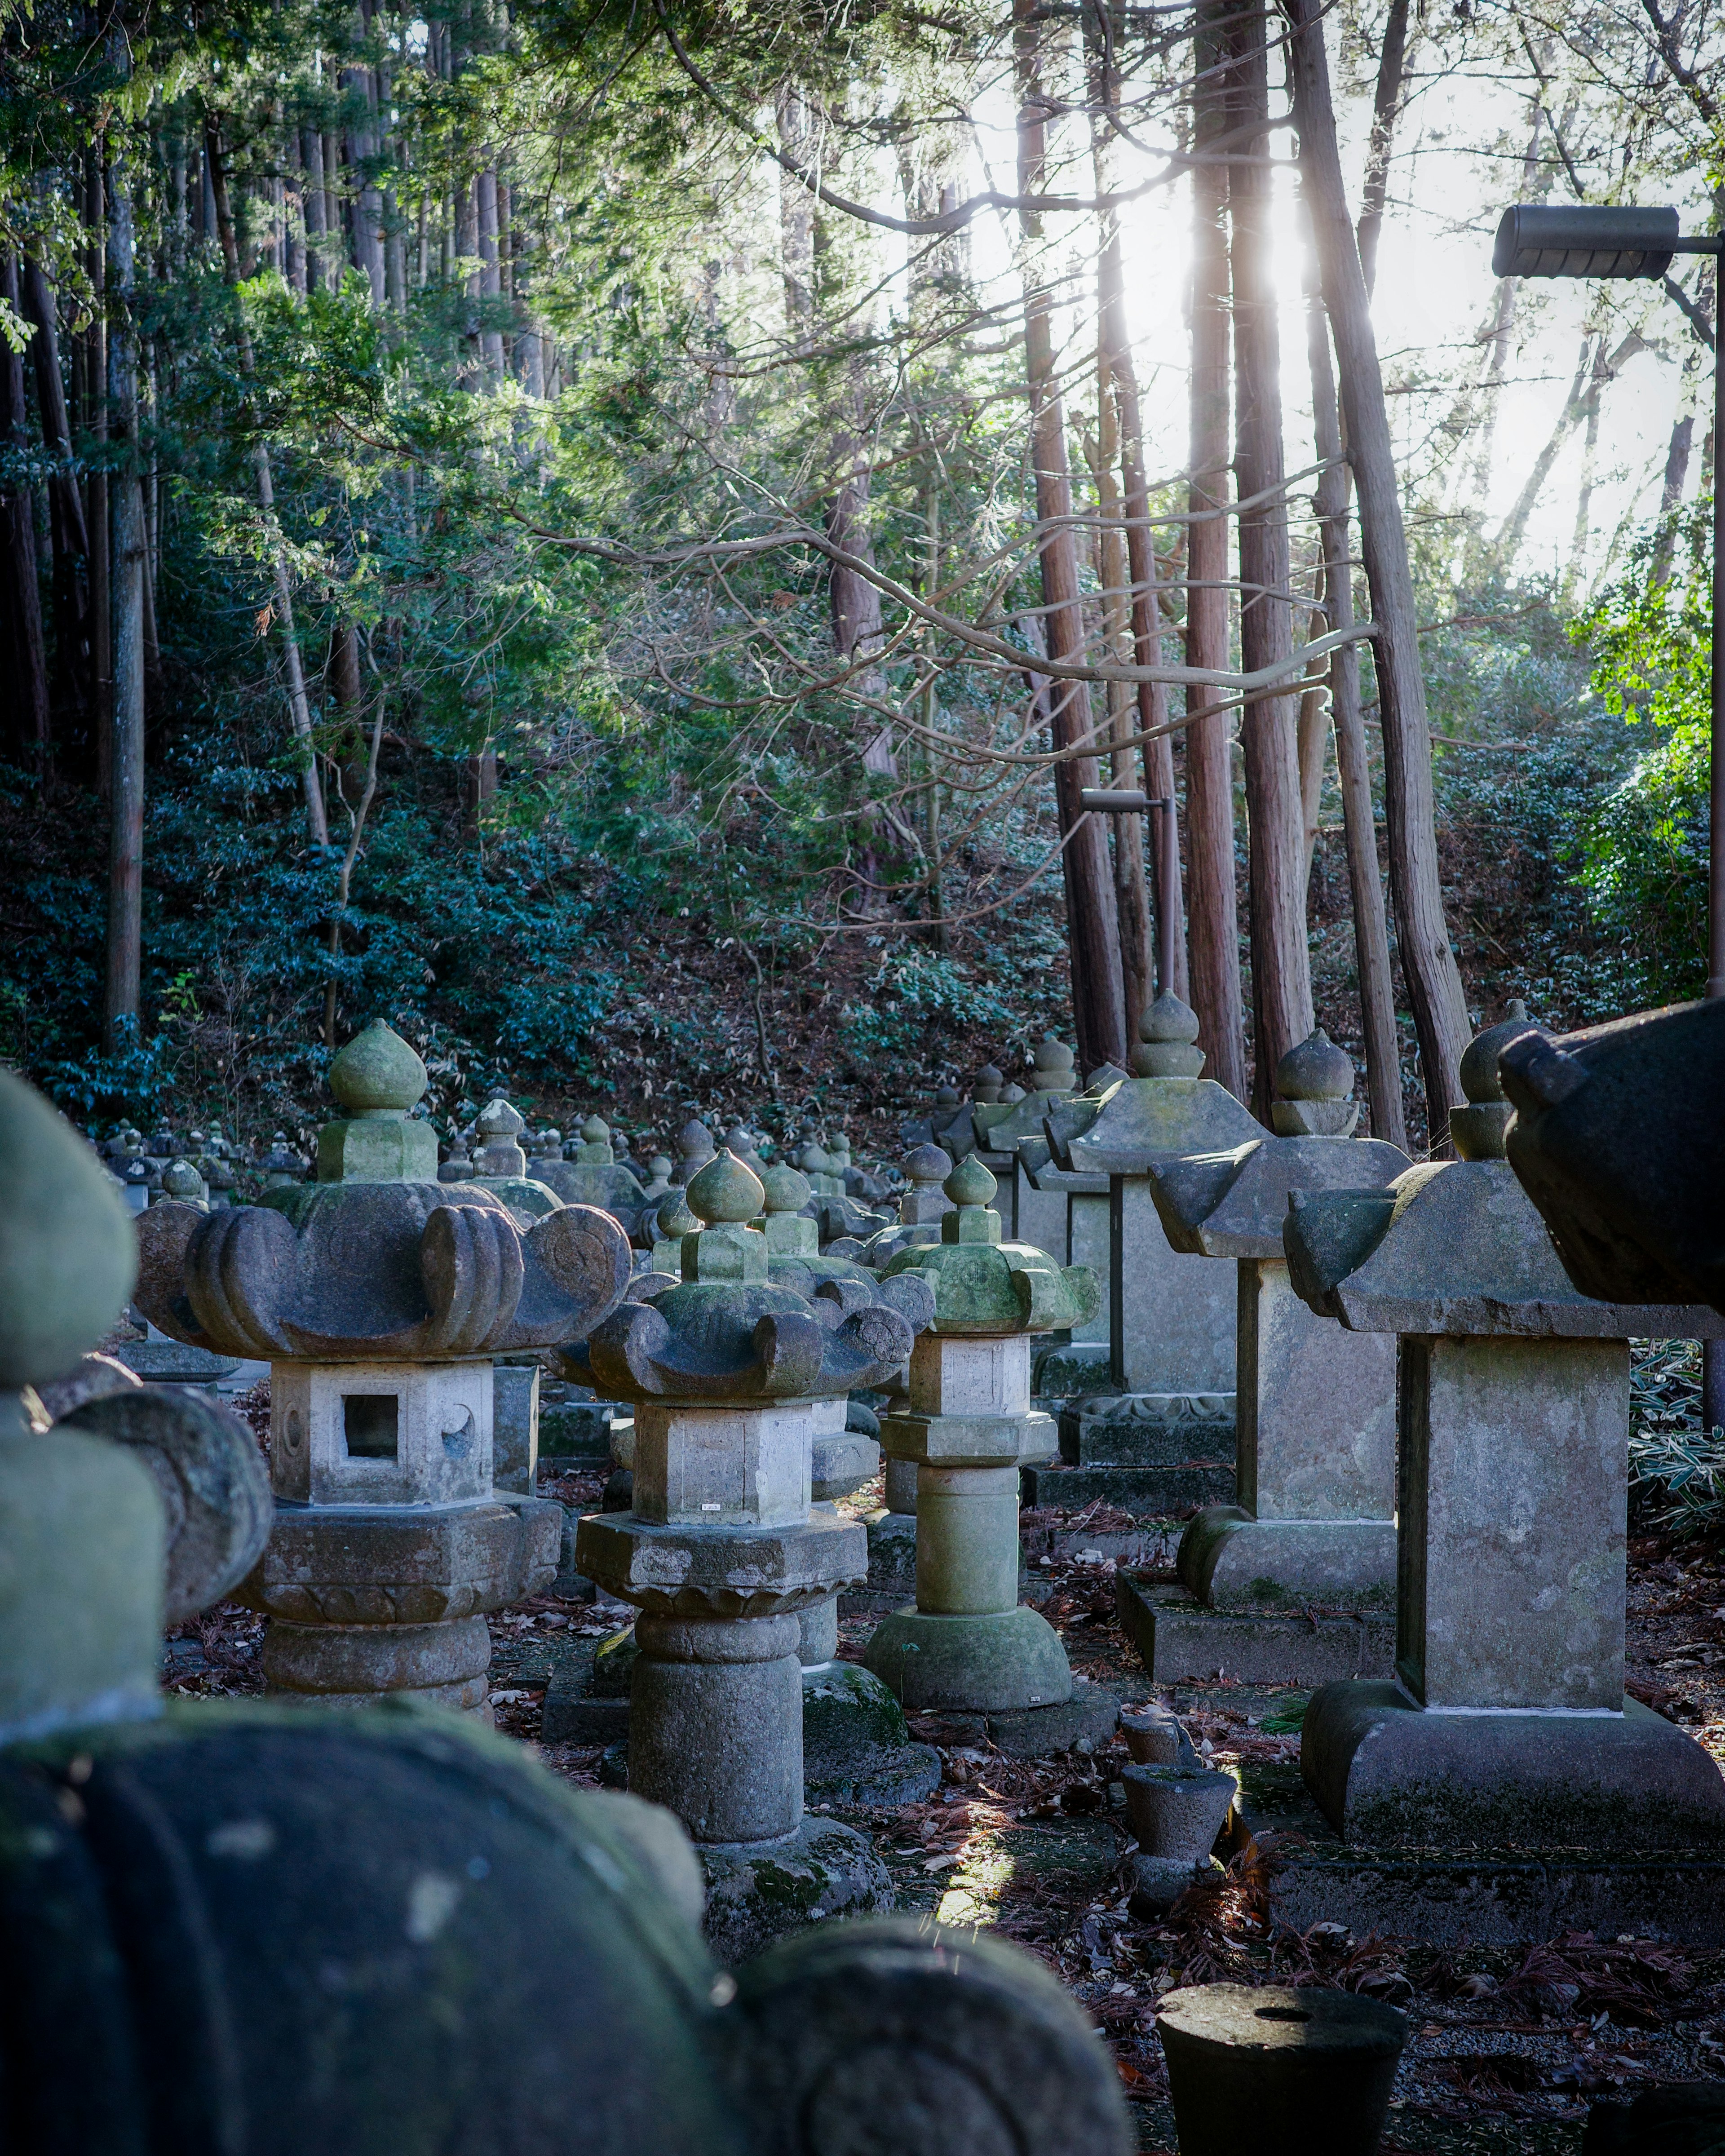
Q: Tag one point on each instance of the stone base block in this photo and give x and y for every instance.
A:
(1091, 1717)
(372, 1566)
(892, 1567)
(1148, 1429)
(577, 1431)
(1158, 1882)
(715, 1726)
(1006, 1659)
(355, 1662)
(759, 1891)
(1077, 1367)
(572, 1715)
(1143, 1491)
(1182, 1642)
(1386, 1773)
(1229, 1560)
(839, 1465)
(856, 1747)
(700, 1573)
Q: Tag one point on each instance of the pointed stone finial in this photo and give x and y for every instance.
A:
(1054, 1065)
(182, 1183)
(928, 1164)
(946, 1096)
(1166, 1035)
(378, 1078)
(785, 1190)
(1010, 1095)
(1314, 1081)
(726, 1191)
(727, 1196)
(970, 1186)
(498, 1119)
(674, 1218)
(987, 1089)
(595, 1149)
(595, 1131)
(694, 1144)
(1479, 1129)
(377, 1071)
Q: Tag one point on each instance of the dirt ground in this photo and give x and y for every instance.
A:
(1507, 2046)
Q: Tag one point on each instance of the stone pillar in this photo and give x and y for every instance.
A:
(1162, 1436)
(723, 1548)
(968, 1646)
(1507, 1723)
(1315, 1520)
(380, 1297)
(999, 1131)
(1079, 1364)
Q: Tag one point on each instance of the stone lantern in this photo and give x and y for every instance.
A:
(228, 1926)
(381, 1297)
(723, 1549)
(595, 1176)
(969, 1646)
(1315, 1522)
(1029, 1214)
(1163, 1434)
(1506, 1723)
(694, 1148)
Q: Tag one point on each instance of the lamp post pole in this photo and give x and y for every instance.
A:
(1165, 838)
(1577, 240)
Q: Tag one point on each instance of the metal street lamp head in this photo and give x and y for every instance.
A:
(1576, 240)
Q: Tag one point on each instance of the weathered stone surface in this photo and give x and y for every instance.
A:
(1616, 1139)
(210, 1477)
(1387, 1772)
(1003, 1659)
(697, 1573)
(515, 1430)
(759, 1893)
(369, 1565)
(377, 1078)
(1182, 1641)
(1178, 1811)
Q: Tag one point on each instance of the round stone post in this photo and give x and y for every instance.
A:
(969, 1646)
(723, 1550)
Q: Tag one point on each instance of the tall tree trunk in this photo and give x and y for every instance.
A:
(1428, 966)
(1671, 496)
(26, 655)
(1213, 926)
(95, 504)
(299, 704)
(491, 282)
(311, 164)
(126, 843)
(1131, 897)
(68, 536)
(1093, 926)
(1281, 973)
(1353, 764)
(1386, 104)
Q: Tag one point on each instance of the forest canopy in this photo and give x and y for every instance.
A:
(616, 536)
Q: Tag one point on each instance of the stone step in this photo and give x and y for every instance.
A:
(1141, 1490)
(1182, 1642)
(1099, 1440)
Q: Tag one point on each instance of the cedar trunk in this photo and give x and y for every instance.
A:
(126, 843)
(1428, 966)
(1282, 974)
(1092, 926)
(1212, 923)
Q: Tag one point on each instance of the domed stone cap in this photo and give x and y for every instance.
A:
(990, 1080)
(67, 1256)
(595, 1131)
(1314, 1081)
(1317, 1069)
(970, 1183)
(377, 1071)
(785, 1191)
(695, 1140)
(1166, 1035)
(946, 1096)
(726, 1191)
(674, 1218)
(181, 1180)
(499, 1119)
(929, 1163)
(1479, 1130)
(1054, 1065)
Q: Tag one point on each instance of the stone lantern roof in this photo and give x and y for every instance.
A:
(982, 1285)
(1168, 1108)
(728, 1330)
(1456, 1247)
(386, 1263)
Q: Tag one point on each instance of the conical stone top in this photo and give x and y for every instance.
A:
(990, 1080)
(377, 1078)
(1054, 1065)
(726, 1191)
(928, 1164)
(727, 1196)
(1314, 1081)
(970, 1183)
(785, 1190)
(180, 1180)
(378, 1072)
(1166, 1034)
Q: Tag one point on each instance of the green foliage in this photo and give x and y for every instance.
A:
(1645, 847)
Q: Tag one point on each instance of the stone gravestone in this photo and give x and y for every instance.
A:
(500, 1163)
(528, 1954)
(596, 1178)
(722, 1550)
(1507, 1724)
(380, 1297)
(1163, 1436)
(1080, 1362)
(969, 1647)
(1029, 1215)
(1314, 1528)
